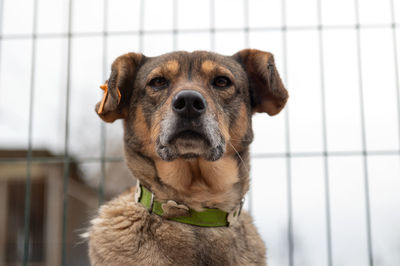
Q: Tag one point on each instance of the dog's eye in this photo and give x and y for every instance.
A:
(222, 82)
(158, 83)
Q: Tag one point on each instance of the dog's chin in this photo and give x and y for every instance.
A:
(189, 149)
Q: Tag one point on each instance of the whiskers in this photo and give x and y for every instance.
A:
(242, 140)
(240, 157)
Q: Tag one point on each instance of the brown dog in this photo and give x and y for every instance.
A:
(187, 130)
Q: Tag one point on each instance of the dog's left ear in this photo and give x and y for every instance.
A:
(267, 93)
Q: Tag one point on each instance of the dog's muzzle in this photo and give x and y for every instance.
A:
(189, 130)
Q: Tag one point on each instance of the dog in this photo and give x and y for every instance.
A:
(187, 129)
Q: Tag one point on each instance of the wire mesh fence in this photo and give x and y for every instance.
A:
(288, 153)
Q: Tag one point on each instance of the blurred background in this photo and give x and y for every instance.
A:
(325, 172)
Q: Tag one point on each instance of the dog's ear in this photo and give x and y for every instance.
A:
(118, 89)
(267, 93)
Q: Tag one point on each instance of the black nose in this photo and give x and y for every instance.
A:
(189, 104)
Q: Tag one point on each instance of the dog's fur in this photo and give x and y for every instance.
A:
(198, 161)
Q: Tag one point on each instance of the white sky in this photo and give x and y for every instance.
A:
(305, 118)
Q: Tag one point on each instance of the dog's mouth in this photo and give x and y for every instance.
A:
(188, 141)
(189, 135)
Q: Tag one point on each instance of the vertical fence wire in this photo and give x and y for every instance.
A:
(363, 137)
(1, 28)
(396, 65)
(246, 23)
(27, 207)
(141, 25)
(3, 256)
(102, 124)
(212, 25)
(247, 45)
(287, 141)
(324, 137)
(175, 25)
(66, 141)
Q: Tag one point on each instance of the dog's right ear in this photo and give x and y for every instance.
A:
(118, 89)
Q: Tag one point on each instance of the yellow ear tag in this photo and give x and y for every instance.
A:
(104, 87)
(119, 95)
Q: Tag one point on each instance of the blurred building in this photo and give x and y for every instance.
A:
(46, 210)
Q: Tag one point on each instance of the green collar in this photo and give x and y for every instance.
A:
(207, 218)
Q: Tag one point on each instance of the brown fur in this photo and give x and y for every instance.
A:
(125, 233)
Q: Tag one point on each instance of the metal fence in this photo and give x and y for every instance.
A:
(102, 158)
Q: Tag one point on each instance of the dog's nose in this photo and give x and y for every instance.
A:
(189, 104)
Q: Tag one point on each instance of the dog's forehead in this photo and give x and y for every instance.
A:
(191, 60)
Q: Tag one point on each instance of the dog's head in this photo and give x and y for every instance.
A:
(191, 105)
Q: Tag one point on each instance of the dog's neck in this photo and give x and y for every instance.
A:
(196, 183)
(189, 177)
